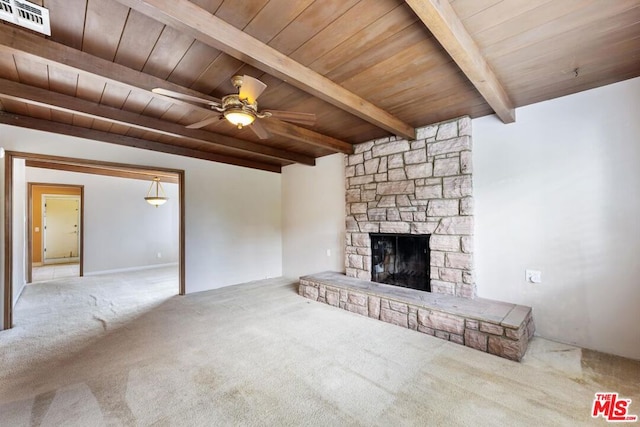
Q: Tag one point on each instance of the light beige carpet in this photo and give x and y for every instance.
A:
(125, 350)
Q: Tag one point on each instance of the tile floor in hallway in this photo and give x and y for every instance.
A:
(55, 271)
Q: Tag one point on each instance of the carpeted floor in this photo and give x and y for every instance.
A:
(125, 350)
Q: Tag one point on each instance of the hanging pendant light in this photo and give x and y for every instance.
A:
(157, 197)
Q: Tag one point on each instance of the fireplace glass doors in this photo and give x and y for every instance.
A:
(401, 260)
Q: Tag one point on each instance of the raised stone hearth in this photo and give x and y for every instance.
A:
(418, 187)
(494, 327)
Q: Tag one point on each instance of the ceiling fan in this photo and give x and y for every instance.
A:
(241, 109)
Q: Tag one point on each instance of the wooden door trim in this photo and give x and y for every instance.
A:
(8, 241)
(10, 156)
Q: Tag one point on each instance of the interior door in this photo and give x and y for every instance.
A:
(61, 232)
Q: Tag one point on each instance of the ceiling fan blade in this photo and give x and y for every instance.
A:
(259, 130)
(185, 97)
(251, 88)
(292, 116)
(205, 122)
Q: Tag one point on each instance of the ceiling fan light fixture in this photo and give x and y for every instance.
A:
(157, 197)
(240, 109)
(239, 117)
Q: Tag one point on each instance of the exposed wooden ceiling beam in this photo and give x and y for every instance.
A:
(127, 141)
(198, 23)
(305, 135)
(44, 98)
(118, 173)
(19, 42)
(297, 133)
(446, 26)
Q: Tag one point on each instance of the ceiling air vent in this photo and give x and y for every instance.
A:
(25, 14)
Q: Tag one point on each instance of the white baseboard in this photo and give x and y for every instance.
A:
(54, 261)
(18, 294)
(124, 270)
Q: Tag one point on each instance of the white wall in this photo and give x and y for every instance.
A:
(19, 231)
(559, 191)
(313, 217)
(121, 230)
(233, 217)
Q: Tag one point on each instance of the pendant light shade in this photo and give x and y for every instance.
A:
(156, 195)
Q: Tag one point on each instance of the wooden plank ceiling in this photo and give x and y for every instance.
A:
(365, 68)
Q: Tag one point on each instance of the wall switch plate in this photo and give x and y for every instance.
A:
(328, 252)
(533, 276)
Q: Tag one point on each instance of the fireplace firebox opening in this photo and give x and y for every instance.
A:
(401, 260)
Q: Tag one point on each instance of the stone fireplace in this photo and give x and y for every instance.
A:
(422, 188)
(410, 224)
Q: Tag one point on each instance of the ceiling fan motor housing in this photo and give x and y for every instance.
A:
(234, 101)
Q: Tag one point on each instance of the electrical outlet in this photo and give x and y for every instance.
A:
(533, 276)
(159, 255)
(328, 252)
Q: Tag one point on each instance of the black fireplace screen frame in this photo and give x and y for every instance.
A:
(401, 260)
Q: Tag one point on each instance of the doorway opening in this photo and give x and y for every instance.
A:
(15, 216)
(55, 231)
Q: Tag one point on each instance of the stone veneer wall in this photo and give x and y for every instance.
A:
(416, 187)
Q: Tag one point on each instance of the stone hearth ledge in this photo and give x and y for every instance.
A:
(495, 327)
